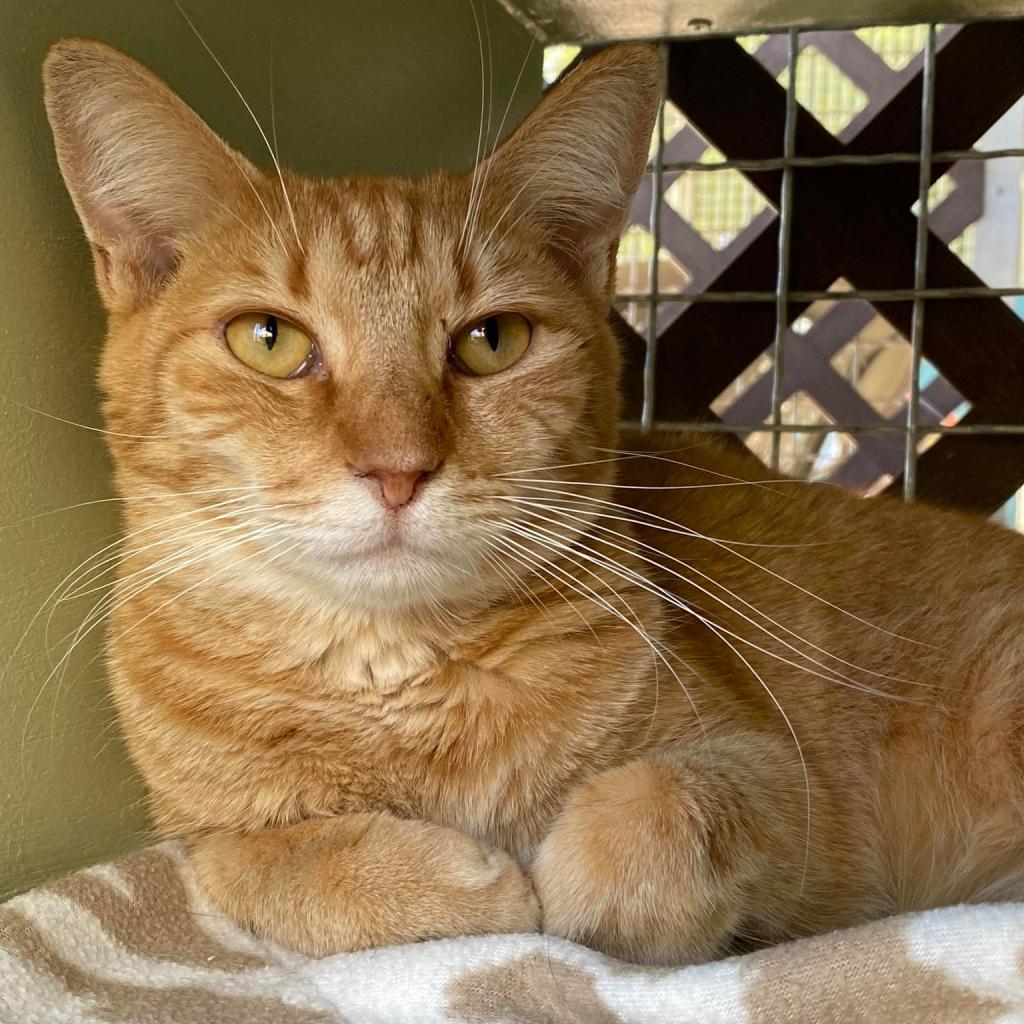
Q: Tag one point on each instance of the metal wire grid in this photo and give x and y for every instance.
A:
(651, 354)
(919, 295)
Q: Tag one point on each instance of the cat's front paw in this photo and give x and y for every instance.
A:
(628, 869)
(485, 887)
(338, 884)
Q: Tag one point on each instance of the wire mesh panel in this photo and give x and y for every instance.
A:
(824, 259)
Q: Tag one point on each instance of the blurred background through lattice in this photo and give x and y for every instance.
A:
(847, 374)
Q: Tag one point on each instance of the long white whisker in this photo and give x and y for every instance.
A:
(164, 496)
(480, 133)
(122, 538)
(757, 676)
(729, 546)
(796, 741)
(220, 572)
(485, 245)
(62, 664)
(515, 89)
(126, 591)
(231, 213)
(644, 487)
(255, 536)
(193, 529)
(488, 163)
(85, 426)
(255, 120)
(53, 593)
(495, 556)
(121, 596)
(829, 675)
(660, 526)
(591, 595)
(100, 569)
(573, 465)
(541, 572)
(273, 111)
(710, 579)
(487, 130)
(111, 562)
(259, 199)
(658, 457)
(524, 212)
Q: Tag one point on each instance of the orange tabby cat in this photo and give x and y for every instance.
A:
(405, 648)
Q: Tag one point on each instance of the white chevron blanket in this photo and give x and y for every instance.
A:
(134, 942)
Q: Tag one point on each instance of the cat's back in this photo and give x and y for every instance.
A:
(901, 566)
(923, 599)
(914, 613)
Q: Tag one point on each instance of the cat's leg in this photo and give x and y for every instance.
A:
(667, 858)
(336, 884)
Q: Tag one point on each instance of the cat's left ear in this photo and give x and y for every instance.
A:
(143, 170)
(573, 165)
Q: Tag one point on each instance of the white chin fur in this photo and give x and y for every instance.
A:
(328, 571)
(354, 553)
(394, 579)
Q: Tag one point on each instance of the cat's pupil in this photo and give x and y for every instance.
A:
(267, 332)
(491, 333)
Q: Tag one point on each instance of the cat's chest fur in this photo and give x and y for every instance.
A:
(369, 659)
(485, 736)
(439, 732)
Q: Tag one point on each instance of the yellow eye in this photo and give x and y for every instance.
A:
(492, 345)
(270, 344)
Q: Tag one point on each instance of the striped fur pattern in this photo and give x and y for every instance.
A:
(629, 691)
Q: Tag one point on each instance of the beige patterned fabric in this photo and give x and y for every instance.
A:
(134, 942)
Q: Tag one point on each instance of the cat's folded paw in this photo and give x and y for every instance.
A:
(627, 870)
(339, 884)
(490, 892)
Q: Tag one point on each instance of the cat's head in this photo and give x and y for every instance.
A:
(373, 363)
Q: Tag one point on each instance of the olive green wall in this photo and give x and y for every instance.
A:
(383, 86)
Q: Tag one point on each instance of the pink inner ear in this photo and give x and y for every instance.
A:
(584, 245)
(142, 168)
(104, 262)
(129, 273)
(575, 162)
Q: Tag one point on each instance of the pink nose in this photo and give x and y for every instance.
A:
(394, 487)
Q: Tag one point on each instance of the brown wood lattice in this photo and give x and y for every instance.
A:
(848, 222)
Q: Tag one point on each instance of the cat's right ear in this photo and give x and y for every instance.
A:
(141, 167)
(573, 165)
